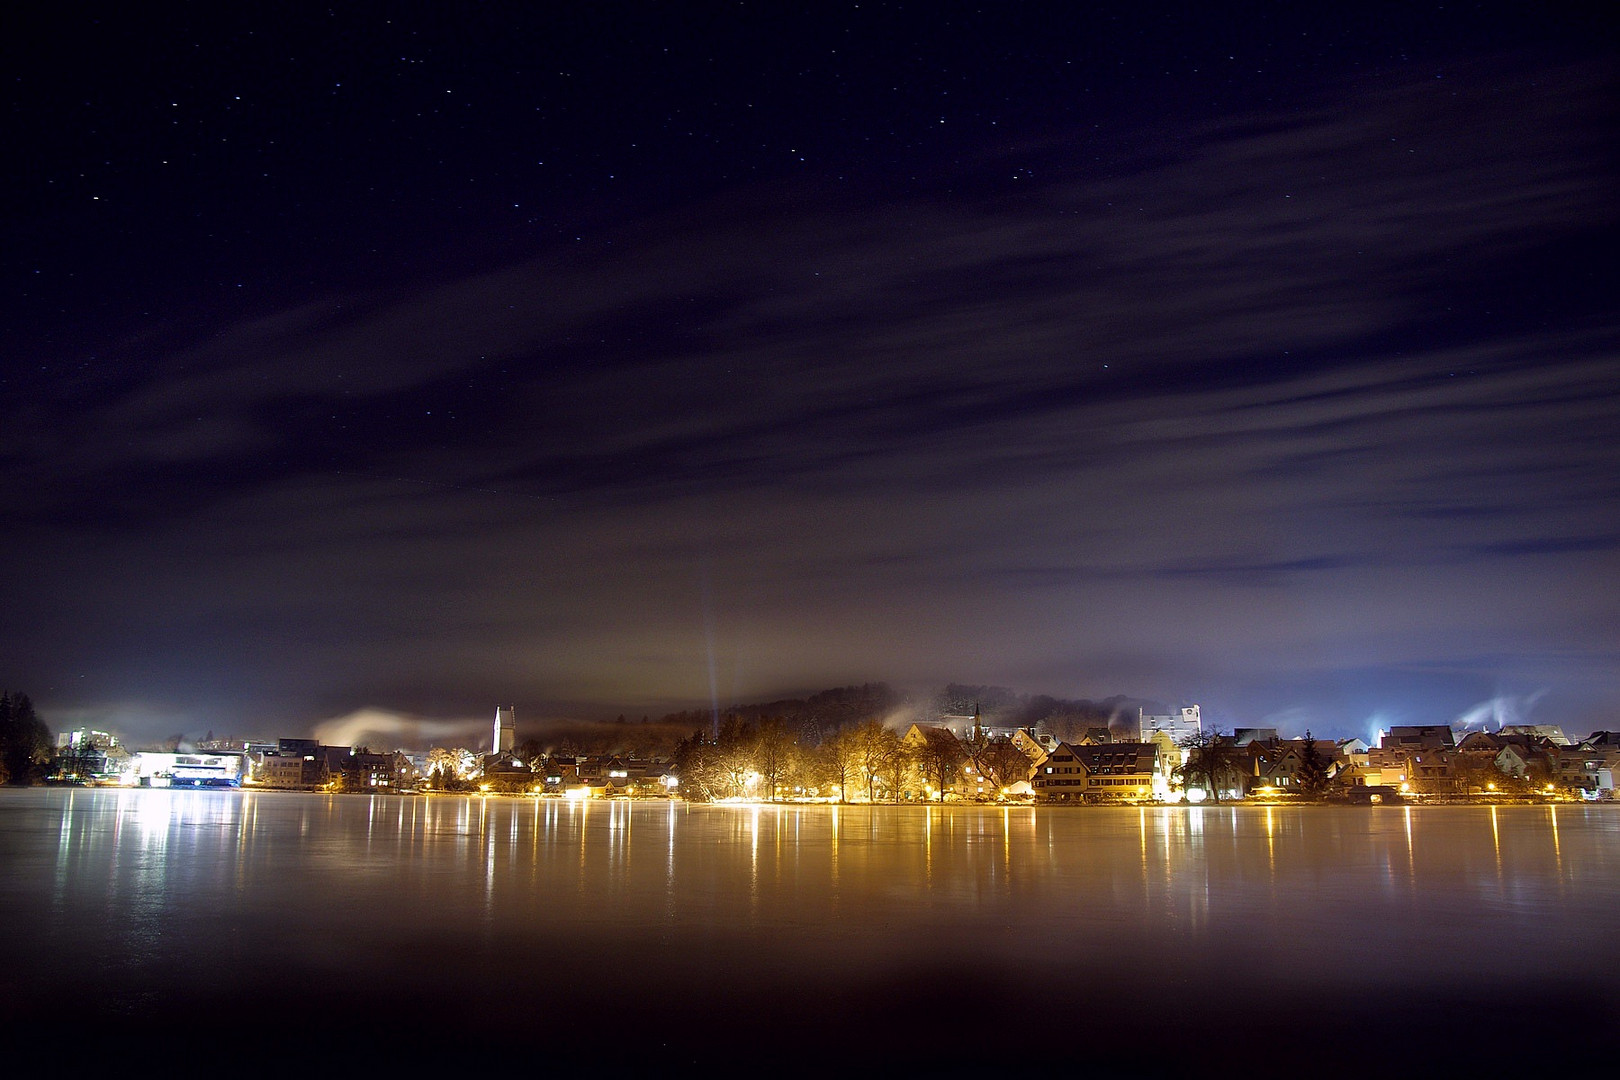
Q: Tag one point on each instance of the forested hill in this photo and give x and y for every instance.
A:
(998, 706)
(820, 713)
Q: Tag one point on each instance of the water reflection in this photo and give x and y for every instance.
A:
(155, 886)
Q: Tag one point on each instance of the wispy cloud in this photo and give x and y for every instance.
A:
(1185, 389)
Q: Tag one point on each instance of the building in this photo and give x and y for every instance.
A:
(1177, 725)
(1354, 750)
(1541, 732)
(1107, 772)
(365, 771)
(90, 755)
(1280, 762)
(148, 769)
(277, 770)
(294, 764)
(1421, 737)
(505, 739)
(1583, 769)
(508, 774)
(66, 740)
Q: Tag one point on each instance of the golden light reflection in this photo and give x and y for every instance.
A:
(488, 833)
(753, 862)
(1411, 866)
(1496, 842)
(833, 865)
(1271, 844)
(580, 810)
(1558, 852)
(1141, 829)
(1006, 840)
(928, 844)
(671, 908)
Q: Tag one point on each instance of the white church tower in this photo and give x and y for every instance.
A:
(505, 730)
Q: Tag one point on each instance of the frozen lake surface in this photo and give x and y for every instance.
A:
(398, 930)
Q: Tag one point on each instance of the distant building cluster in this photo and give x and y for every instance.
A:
(1172, 758)
(299, 764)
(1177, 760)
(1435, 761)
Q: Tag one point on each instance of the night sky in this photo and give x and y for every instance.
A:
(642, 357)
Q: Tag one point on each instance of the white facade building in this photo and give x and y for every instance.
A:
(1177, 725)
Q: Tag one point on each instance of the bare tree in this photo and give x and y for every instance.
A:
(1004, 764)
(735, 755)
(874, 747)
(899, 762)
(1211, 759)
(695, 766)
(773, 745)
(940, 756)
(836, 761)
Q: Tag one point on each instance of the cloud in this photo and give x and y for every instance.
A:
(1281, 392)
(383, 729)
(1500, 711)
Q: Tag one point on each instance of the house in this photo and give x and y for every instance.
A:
(1002, 765)
(1583, 769)
(1111, 772)
(365, 771)
(1419, 756)
(1539, 732)
(1420, 737)
(561, 773)
(508, 774)
(943, 765)
(636, 776)
(1036, 745)
(1278, 763)
(651, 779)
(1061, 778)
(1353, 751)
(1432, 772)
(280, 770)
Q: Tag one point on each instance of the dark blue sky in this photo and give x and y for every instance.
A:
(650, 355)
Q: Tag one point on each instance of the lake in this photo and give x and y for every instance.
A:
(279, 932)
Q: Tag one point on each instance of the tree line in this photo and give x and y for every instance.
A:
(869, 760)
(25, 741)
